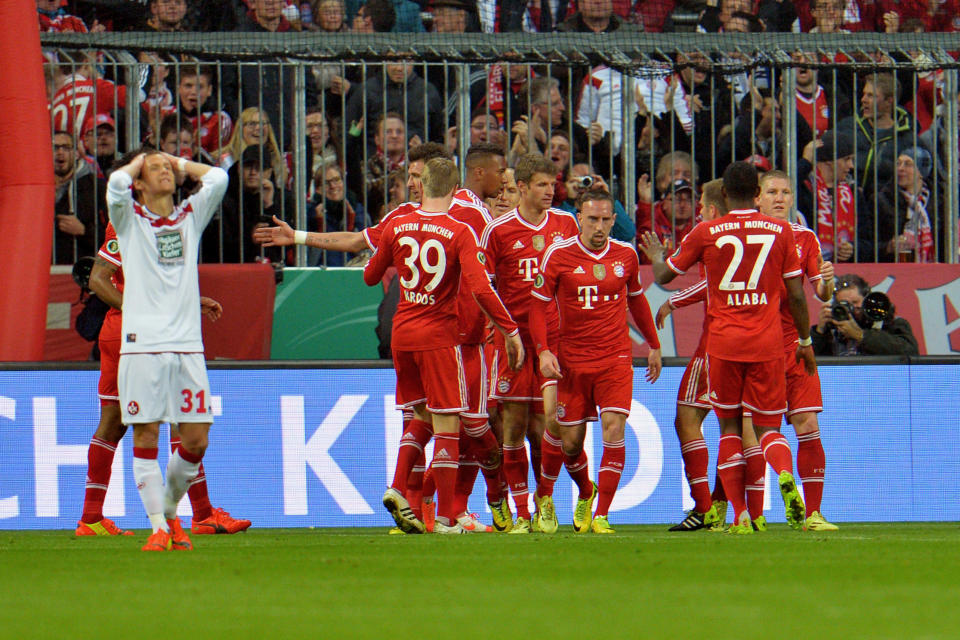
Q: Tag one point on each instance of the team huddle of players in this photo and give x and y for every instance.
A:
(561, 290)
(556, 291)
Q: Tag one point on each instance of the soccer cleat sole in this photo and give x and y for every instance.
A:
(402, 513)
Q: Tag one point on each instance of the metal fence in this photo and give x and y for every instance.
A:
(301, 126)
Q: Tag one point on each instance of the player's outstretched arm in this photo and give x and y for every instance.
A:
(283, 235)
(652, 247)
(801, 320)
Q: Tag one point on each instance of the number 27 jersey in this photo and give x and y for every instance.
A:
(747, 256)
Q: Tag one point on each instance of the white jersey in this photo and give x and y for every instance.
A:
(161, 299)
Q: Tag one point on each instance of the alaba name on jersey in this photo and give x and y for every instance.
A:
(746, 255)
(431, 252)
(161, 309)
(79, 101)
(514, 248)
(808, 253)
(591, 290)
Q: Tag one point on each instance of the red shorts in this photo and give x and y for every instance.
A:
(803, 390)
(694, 389)
(107, 388)
(475, 373)
(757, 388)
(525, 385)
(434, 376)
(581, 391)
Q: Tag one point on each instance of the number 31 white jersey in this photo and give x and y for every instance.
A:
(161, 299)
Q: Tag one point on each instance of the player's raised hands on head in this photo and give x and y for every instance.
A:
(654, 365)
(278, 236)
(662, 313)
(651, 246)
(549, 365)
(514, 351)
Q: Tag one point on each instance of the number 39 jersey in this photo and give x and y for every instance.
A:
(591, 290)
(431, 252)
(747, 256)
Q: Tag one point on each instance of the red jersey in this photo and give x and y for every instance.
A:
(372, 234)
(690, 296)
(815, 110)
(514, 248)
(110, 251)
(747, 256)
(591, 290)
(431, 252)
(808, 253)
(78, 101)
(471, 211)
(63, 23)
(213, 128)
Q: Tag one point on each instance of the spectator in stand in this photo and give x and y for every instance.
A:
(827, 200)
(165, 15)
(322, 147)
(910, 224)
(329, 16)
(715, 16)
(331, 208)
(814, 102)
(375, 16)
(253, 128)
(53, 19)
(398, 89)
(831, 16)
(671, 218)
(778, 15)
(507, 86)
(100, 141)
(451, 16)
(594, 16)
(177, 137)
(79, 206)
(194, 94)
(758, 131)
(390, 154)
(484, 127)
(270, 84)
(80, 87)
(879, 128)
(536, 16)
(559, 153)
(250, 201)
(581, 178)
(936, 15)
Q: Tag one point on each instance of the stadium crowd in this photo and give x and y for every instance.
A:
(871, 146)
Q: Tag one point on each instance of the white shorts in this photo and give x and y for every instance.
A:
(164, 387)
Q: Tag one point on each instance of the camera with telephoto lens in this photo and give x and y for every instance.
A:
(584, 182)
(877, 307)
(841, 311)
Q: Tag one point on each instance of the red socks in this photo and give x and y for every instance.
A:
(579, 469)
(99, 463)
(695, 461)
(515, 469)
(611, 467)
(551, 450)
(414, 439)
(755, 479)
(199, 496)
(730, 466)
(446, 456)
(777, 452)
(811, 467)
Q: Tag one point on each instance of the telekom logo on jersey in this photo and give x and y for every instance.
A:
(528, 268)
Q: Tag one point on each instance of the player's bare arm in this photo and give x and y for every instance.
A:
(654, 365)
(515, 353)
(283, 235)
(663, 313)
(187, 167)
(102, 285)
(654, 250)
(640, 310)
(210, 308)
(825, 286)
(801, 320)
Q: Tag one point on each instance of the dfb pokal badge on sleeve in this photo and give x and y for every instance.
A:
(538, 243)
(599, 271)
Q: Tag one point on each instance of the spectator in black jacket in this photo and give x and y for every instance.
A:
(79, 203)
(859, 334)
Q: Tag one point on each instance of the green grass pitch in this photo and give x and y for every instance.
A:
(866, 581)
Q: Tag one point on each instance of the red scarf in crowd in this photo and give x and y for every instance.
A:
(917, 235)
(836, 217)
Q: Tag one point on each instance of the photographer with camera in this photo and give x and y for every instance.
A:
(581, 178)
(861, 322)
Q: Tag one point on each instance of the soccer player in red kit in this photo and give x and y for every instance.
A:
(693, 396)
(432, 252)
(804, 400)
(514, 245)
(106, 281)
(746, 255)
(593, 280)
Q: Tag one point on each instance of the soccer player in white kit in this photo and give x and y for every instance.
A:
(162, 374)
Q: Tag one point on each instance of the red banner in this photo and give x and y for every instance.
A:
(246, 292)
(928, 296)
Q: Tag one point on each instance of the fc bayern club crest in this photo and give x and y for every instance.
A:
(503, 385)
(133, 408)
(618, 270)
(599, 271)
(561, 410)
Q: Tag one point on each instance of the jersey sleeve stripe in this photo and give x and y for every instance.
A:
(540, 297)
(485, 238)
(673, 268)
(109, 258)
(793, 274)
